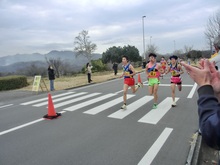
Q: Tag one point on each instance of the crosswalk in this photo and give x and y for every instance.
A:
(72, 101)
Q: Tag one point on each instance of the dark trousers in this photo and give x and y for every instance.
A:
(89, 77)
(116, 71)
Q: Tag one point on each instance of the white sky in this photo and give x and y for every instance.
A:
(30, 26)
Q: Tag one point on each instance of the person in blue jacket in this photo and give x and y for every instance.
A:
(208, 79)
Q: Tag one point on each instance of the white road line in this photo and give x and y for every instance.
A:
(60, 99)
(155, 148)
(6, 106)
(107, 105)
(89, 102)
(154, 116)
(120, 114)
(192, 91)
(21, 126)
(43, 99)
(24, 125)
(75, 100)
(118, 92)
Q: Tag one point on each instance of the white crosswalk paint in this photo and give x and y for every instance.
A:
(192, 91)
(152, 117)
(120, 114)
(155, 148)
(60, 99)
(107, 105)
(89, 102)
(6, 105)
(155, 115)
(75, 100)
(43, 99)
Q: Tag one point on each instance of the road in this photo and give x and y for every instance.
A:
(94, 131)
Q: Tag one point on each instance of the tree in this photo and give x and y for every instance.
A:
(213, 27)
(114, 54)
(178, 52)
(152, 49)
(187, 49)
(132, 52)
(84, 47)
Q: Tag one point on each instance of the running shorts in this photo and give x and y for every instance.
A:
(129, 81)
(176, 80)
(153, 81)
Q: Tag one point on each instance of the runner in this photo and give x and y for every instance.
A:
(128, 73)
(163, 64)
(153, 71)
(176, 70)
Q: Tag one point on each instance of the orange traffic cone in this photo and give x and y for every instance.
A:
(140, 84)
(139, 79)
(51, 111)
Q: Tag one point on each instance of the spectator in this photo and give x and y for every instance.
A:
(208, 79)
(115, 68)
(89, 72)
(51, 75)
(144, 64)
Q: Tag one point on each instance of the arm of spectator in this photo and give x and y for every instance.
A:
(209, 116)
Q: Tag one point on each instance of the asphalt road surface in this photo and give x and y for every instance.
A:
(93, 130)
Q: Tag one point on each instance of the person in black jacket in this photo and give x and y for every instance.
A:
(51, 75)
(115, 68)
(208, 78)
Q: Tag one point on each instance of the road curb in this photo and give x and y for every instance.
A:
(194, 152)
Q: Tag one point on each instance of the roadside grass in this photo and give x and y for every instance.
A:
(65, 82)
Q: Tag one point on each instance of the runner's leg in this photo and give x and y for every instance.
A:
(155, 89)
(179, 86)
(125, 89)
(173, 86)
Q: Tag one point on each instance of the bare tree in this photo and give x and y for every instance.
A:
(84, 47)
(178, 52)
(187, 49)
(152, 49)
(213, 27)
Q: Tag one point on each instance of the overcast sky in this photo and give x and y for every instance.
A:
(30, 26)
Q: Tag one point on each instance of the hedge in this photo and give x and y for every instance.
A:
(12, 82)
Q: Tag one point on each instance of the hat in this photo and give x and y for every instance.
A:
(152, 54)
(173, 56)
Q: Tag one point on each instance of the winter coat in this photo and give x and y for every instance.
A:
(51, 74)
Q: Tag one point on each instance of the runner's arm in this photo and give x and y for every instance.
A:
(132, 69)
(181, 70)
(168, 70)
(123, 73)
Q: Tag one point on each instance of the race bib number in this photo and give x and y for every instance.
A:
(173, 73)
(127, 73)
(152, 74)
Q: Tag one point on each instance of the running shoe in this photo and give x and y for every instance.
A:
(155, 106)
(124, 107)
(140, 85)
(174, 104)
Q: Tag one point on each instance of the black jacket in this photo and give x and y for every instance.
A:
(51, 74)
(209, 116)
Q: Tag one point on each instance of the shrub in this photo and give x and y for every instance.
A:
(12, 82)
(98, 66)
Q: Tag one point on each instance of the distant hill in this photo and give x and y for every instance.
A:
(20, 61)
